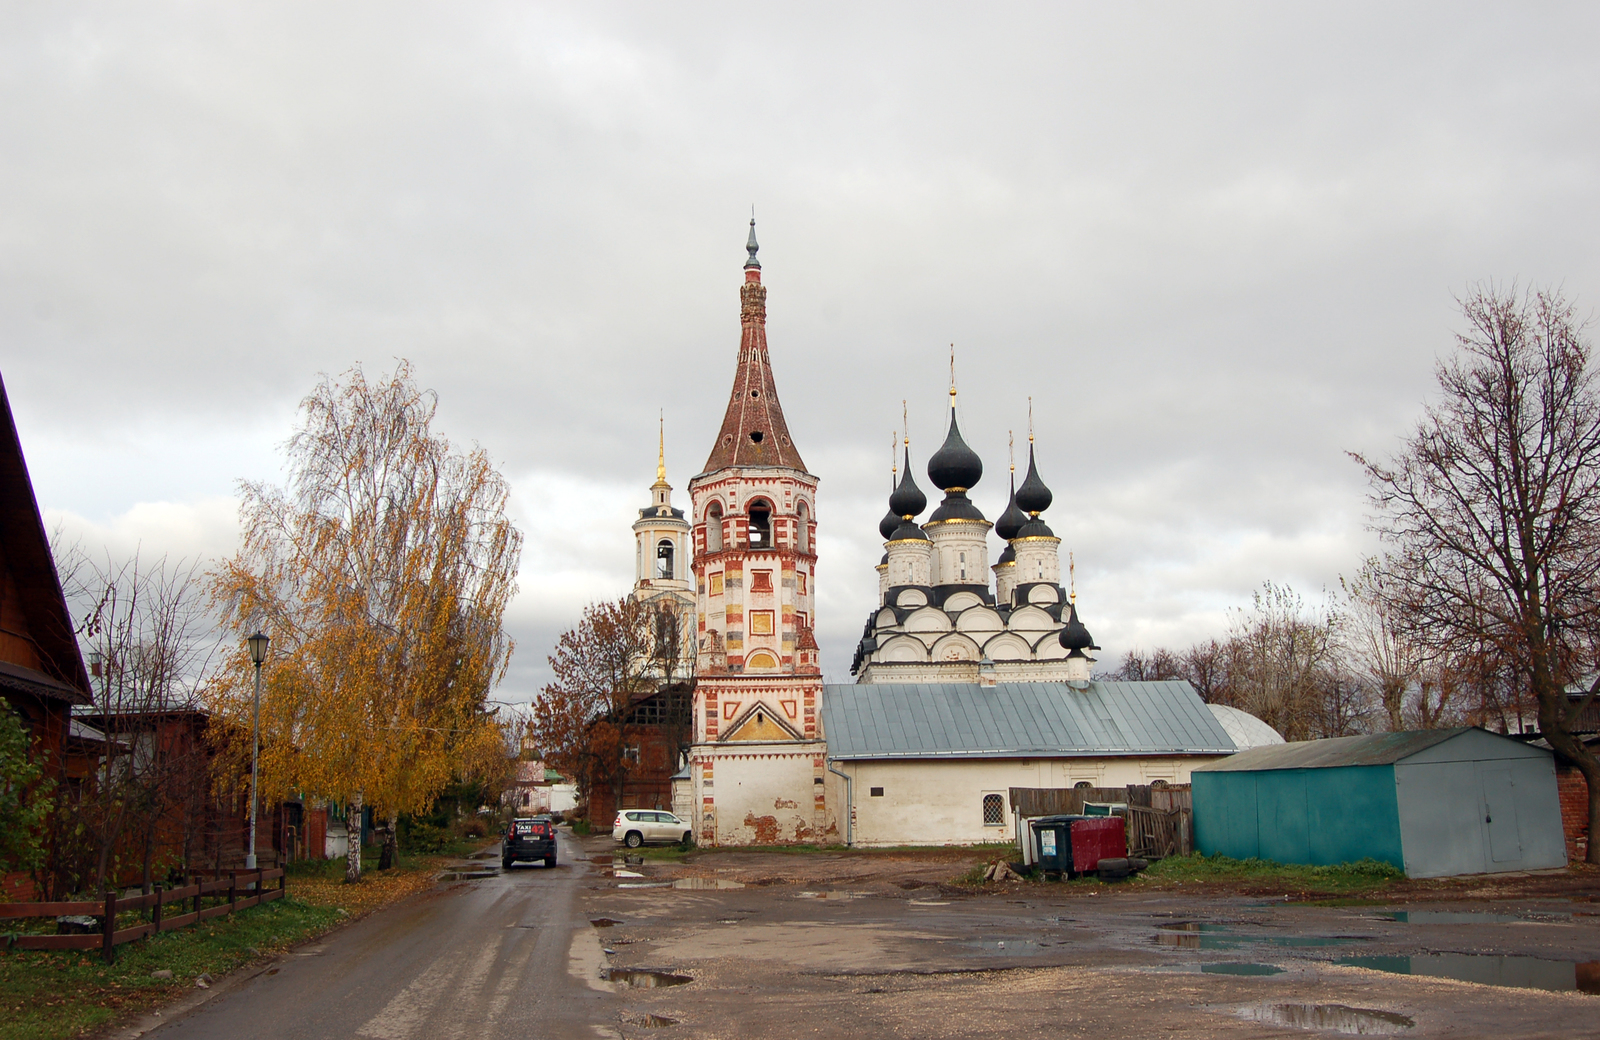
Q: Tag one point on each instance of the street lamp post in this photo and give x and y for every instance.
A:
(258, 653)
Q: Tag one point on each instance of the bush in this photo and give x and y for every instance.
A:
(473, 827)
(581, 826)
(424, 837)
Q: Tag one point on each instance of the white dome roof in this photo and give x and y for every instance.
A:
(1245, 729)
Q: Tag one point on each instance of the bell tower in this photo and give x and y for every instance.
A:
(759, 680)
(662, 578)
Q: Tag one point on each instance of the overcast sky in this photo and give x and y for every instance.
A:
(1217, 244)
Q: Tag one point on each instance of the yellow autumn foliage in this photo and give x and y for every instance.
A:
(382, 572)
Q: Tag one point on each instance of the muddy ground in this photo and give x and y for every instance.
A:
(883, 944)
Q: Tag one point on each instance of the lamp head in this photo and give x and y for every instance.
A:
(258, 647)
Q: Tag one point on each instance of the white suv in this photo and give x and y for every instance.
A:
(635, 827)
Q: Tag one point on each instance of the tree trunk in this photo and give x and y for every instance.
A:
(1552, 703)
(390, 850)
(352, 870)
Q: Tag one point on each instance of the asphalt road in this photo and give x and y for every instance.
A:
(484, 959)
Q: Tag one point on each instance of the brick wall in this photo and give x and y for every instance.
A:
(1574, 793)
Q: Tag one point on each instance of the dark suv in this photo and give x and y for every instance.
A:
(529, 838)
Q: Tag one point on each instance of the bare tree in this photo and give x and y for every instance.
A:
(1281, 649)
(601, 668)
(1493, 506)
(1376, 636)
(152, 644)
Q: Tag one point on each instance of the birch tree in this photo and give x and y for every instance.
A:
(382, 571)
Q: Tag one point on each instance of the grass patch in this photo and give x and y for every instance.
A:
(45, 994)
(1362, 875)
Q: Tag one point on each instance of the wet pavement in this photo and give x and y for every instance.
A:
(779, 959)
(612, 945)
(485, 955)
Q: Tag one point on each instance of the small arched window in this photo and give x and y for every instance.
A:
(664, 554)
(994, 811)
(760, 525)
(1082, 785)
(802, 541)
(714, 527)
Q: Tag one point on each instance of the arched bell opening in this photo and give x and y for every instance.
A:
(760, 524)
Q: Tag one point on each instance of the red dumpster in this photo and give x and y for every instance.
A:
(1097, 839)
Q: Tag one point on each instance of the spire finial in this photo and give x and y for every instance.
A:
(905, 420)
(1072, 578)
(894, 459)
(661, 448)
(1030, 420)
(750, 245)
(952, 375)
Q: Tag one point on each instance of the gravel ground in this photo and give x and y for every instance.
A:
(882, 943)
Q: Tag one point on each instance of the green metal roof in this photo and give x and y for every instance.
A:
(1018, 720)
(1375, 749)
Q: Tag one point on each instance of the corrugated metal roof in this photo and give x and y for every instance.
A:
(1011, 720)
(1376, 749)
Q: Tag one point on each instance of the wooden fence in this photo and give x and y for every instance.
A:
(1159, 818)
(228, 894)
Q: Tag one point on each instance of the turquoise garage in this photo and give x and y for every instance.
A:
(1433, 802)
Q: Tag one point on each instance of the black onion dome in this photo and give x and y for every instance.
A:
(955, 466)
(908, 529)
(1035, 528)
(908, 499)
(890, 521)
(957, 506)
(1012, 519)
(1074, 636)
(1033, 497)
(1007, 555)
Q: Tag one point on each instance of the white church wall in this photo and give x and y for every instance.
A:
(941, 802)
(765, 794)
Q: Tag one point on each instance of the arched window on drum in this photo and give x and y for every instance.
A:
(802, 540)
(664, 559)
(714, 527)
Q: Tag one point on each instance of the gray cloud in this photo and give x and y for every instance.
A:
(1216, 245)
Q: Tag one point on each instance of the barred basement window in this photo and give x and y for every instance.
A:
(994, 812)
(876, 792)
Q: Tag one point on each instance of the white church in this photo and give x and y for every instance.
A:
(971, 678)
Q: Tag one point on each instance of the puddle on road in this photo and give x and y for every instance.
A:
(1491, 970)
(1240, 968)
(1333, 1017)
(641, 978)
(1469, 917)
(1006, 947)
(829, 895)
(929, 902)
(604, 922)
(626, 873)
(1206, 935)
(467, 875)
(700, 884)
(645, 884)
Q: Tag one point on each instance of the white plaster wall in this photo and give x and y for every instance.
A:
(1038, 559)
(1005, 581)
(951, 539)
(765, 794)
(909, 562)
(941, 802)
